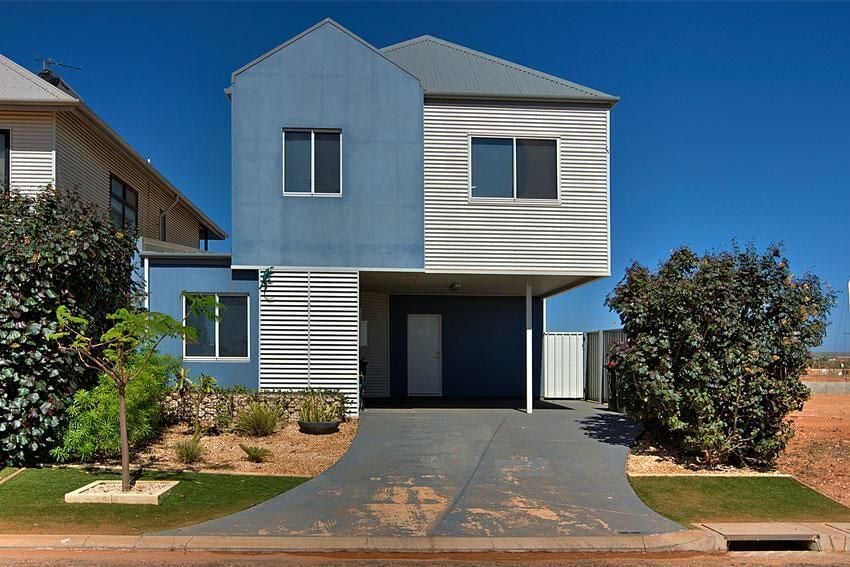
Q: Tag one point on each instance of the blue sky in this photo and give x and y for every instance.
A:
(734, 120)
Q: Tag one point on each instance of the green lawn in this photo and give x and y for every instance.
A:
(33, 502)
(6, 471)
(736, 499)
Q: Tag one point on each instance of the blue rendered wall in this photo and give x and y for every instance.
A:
(328, 79)
(483, 344)
(168, 281)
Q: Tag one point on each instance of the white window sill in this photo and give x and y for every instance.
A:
(215, 359)
(320, 195)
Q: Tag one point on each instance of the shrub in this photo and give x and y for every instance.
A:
(255, 454)
(315, 407)
(257, 420)
(54, 250)
(92, 429)
(189, 451)
(716, 347)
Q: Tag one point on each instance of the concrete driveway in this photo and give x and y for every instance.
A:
(466, 472)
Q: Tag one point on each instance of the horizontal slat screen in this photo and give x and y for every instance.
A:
(567, 236)
(309, 327)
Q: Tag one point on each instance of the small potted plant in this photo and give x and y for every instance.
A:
(317, 415)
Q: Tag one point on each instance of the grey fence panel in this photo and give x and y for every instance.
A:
(593, 370)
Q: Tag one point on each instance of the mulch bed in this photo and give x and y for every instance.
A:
(293, 453)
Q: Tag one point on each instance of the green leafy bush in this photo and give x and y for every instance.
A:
(256, 420)
(54, 250)
(716, 347)
(92, 429)
(316, 407)
(189, 451)
(255, 454)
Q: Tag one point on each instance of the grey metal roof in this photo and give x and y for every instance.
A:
(22, 86)
(451, 70)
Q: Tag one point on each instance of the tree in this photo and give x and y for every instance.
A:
(716, 345)
(124, 350)
(54, 250)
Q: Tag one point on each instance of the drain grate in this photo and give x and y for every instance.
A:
(773, 544)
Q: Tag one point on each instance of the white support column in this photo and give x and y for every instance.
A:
(529, 401)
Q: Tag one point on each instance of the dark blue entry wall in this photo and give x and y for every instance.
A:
(483, 343)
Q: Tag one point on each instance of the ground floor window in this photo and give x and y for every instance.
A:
(5, 154)
(226, 336)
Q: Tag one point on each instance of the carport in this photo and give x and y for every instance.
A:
(454, 335)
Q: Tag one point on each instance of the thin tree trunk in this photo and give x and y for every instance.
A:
(125, 442)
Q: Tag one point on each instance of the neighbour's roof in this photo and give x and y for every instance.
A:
(446, 69)
(20, 85)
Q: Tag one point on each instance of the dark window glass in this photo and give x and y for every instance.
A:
(492, 167)
(205, 326)
(296, 165)
(327, 162)
(124, 204)
(233, 326)
(5, 154)
(536, 169)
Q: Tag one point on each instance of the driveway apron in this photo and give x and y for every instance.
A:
(466, 472)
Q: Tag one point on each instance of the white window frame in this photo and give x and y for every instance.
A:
(217, 322)
(313, 132)
(513, 198)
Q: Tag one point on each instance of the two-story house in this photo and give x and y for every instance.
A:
(410, 207)
(49, 137)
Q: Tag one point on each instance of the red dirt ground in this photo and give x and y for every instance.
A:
(819, 453)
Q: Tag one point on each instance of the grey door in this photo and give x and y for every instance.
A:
(424, 355)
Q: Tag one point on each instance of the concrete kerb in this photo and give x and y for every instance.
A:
(690, 540)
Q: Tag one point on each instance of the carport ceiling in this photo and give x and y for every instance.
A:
(414, 283)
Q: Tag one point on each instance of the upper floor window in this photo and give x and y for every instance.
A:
(5, 155)
(312, 163)
(225, 336)
(124, 204)
(514, 168)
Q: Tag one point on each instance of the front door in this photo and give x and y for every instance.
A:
(424, 355)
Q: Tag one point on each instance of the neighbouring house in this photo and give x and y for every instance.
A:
(405, 211)
(49, 137)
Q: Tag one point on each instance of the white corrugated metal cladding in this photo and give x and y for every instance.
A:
(309, 334)
(568, 236)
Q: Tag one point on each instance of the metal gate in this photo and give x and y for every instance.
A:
(563, 365)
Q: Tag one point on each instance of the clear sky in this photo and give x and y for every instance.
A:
(734, 120)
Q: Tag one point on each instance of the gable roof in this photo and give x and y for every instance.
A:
(446, 69)
(22, 86)
(311, 29)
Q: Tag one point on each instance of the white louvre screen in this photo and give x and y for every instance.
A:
(309, 329)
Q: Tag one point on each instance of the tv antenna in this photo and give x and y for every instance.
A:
(47, 63)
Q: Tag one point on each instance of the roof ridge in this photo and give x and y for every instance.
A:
(28, 75)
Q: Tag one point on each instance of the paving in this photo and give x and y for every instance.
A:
(465, 473)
